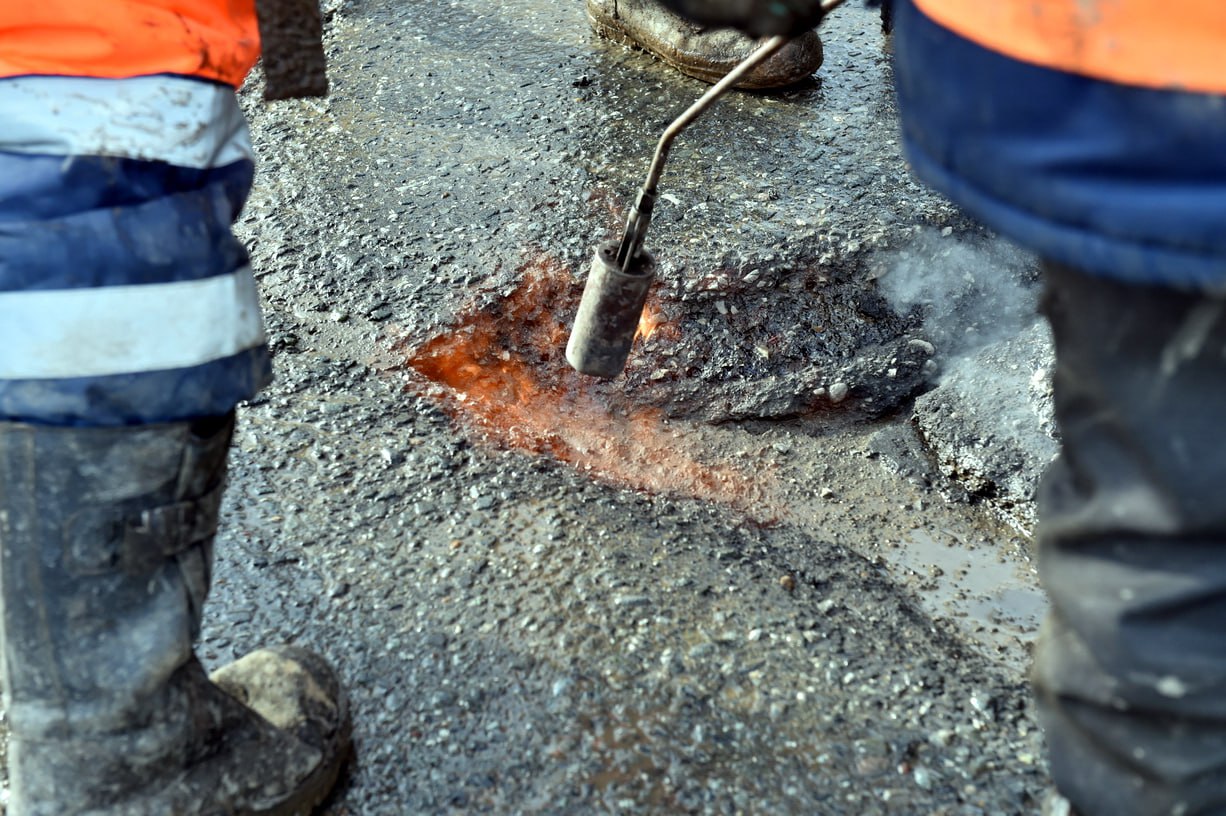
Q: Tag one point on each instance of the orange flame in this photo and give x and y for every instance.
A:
(504, 372)
(649, 321)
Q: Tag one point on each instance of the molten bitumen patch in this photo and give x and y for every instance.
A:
(503, 373)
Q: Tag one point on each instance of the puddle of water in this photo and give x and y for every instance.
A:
(624, 745)
(637, 748)
(990, 593)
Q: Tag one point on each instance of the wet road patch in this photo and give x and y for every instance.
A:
(500, 369)
(739, 353)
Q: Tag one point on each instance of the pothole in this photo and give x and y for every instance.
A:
(500, 370)
(812, 347)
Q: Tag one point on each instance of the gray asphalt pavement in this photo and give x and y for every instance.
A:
(739, 579)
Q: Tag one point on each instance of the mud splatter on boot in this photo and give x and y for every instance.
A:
(106, 541)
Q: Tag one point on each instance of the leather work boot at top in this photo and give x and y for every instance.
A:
(106, 544)
(703, 54)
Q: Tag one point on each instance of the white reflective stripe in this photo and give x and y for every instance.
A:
(65, 333)
(157, 118)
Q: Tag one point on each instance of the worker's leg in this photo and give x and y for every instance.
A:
(705, 54)
(1130, 670)
(106, 539)
(129, 331)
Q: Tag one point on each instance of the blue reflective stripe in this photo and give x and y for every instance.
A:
(42, 187)
(212, 389)
(1124, 182)
(169, 235)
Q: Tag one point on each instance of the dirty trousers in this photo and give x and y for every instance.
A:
(125, 297)
(1130, 670)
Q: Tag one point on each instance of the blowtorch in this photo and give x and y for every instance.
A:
(622, 271)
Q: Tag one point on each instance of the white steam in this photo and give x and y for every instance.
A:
(990, 415)
(973, 291)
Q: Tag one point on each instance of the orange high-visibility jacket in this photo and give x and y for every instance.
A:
(1090, 131)
(1149, 43)
(206, 39)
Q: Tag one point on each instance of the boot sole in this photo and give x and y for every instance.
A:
(610, 29)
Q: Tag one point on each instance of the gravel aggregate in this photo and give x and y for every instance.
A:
(828, 619)
(576, 647)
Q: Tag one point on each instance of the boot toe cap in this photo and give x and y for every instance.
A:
(292, 688)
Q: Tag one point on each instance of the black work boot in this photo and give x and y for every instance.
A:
(703, 54)
(106, 539)
(1130, 668)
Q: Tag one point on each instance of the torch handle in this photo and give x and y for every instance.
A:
(640, 215)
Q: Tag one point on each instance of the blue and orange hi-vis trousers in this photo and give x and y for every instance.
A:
(124, 161)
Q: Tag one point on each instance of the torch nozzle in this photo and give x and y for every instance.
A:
(622, 272)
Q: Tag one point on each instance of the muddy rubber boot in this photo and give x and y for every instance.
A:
(703, 54)
(1130, 668)
(106, 539)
